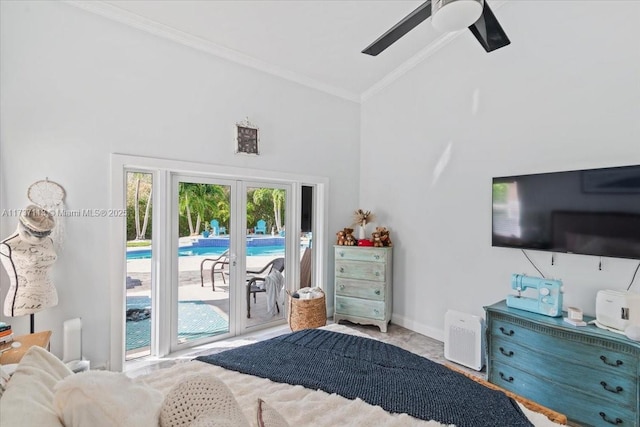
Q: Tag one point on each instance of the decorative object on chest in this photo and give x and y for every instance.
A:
(617, 310)
(547, 299)
(590, 374)
(363, 284)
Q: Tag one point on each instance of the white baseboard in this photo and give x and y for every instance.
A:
(436, 334)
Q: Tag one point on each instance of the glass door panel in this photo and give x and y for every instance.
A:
(138, 322)
(306, 236)
(203, 282)
(265, 254)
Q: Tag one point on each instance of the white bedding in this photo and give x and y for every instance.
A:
(298, 405)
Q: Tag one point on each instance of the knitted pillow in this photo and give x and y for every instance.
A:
(201, 401)
(269, 417)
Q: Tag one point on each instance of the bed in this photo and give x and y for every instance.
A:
(259, 400)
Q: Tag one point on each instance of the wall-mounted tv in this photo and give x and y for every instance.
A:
(589, 212)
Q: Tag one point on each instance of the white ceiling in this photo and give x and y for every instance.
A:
(317, 43)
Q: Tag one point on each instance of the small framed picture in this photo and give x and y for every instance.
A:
(247, 139)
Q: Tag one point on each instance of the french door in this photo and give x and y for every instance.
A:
(209, 253)
(229, 257)
(203, 251)
(266, 267)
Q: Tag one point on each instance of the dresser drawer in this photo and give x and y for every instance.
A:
(579, 406)
(360, 307)
(606, 385)
(569, 348)
(360, 270)
(360, 289)
(361, 254)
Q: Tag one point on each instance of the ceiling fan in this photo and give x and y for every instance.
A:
(448, 15)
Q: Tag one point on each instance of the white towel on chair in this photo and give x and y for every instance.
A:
(273, 285)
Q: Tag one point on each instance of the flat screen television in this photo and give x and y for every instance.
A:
(589, 212)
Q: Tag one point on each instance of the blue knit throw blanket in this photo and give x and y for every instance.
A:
(378, 373)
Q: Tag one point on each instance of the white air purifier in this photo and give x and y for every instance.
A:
(464, 339)
(72, 346)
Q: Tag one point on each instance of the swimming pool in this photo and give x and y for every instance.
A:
(210, 250)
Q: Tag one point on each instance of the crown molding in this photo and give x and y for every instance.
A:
(161, 30)
(408, 65)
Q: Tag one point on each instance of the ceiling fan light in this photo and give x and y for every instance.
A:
(453, 15)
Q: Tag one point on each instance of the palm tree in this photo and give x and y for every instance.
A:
(139, 188)
(222, 210)
(199, 199)
(185, 195)
(279, 200)
(269, 202)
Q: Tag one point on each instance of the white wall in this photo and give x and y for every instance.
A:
(564, 95)
(77, 87)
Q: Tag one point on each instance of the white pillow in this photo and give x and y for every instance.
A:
(103, 398)
(5, 374)
(28, 399)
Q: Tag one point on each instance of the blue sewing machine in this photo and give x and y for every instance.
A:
(548, 299)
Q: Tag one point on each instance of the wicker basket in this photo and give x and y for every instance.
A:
(307, 313)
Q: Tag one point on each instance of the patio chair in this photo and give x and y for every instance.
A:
(261, 227)
(259, 278)
(218, 266)
(215, 227)
(305, 269)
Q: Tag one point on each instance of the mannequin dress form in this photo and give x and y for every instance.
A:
(28, 255)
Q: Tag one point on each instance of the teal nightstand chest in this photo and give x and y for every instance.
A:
(363, 285)
(587, 373)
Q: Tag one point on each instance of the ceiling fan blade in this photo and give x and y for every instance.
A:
(407, 24)
(488, 31)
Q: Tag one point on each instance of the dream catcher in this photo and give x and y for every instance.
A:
(50, 195)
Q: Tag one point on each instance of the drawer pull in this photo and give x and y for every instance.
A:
(377, 273)
(376, 256)
(377, 292)
(510, 333)
(607, 387)
(604, 359)
(509, 380)
(341, 253)
(609, 420)
(341, 269)
(506, 353)
(341, 287)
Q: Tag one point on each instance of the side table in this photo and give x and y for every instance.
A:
(15, 354)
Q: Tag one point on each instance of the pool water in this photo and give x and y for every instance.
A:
(209, 251)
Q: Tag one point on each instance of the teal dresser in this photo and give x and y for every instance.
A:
(587, 373)
(363, 277)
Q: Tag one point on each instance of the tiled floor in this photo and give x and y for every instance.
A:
(396, 335)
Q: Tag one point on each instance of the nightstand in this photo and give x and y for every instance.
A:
(15, 354)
